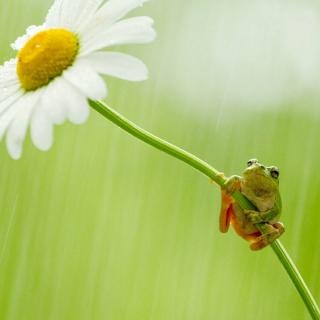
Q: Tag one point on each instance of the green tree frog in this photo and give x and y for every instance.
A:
(260, 184)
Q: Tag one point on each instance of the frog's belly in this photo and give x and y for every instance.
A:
(240, 223)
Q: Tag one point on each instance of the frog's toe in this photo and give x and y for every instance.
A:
(221, 175)
(273, 236)
(259, 244)
(270, 237)
(280, 227)
(253, 216)
(232, 184)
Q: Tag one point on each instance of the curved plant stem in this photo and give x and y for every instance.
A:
(217, 177)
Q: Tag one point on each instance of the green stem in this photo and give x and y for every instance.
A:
(217, 177)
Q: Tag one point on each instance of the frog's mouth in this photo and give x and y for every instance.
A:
(259, 178)
(255, 171)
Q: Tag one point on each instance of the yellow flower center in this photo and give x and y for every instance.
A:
(45, 56)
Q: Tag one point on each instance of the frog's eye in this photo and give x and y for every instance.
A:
(251, 162)
(275, 173)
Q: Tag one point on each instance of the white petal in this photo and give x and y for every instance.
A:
(87, 14)
(110, 12)
(61, 100)
(8, 74)
(114, 10)
(9, 83)
(53, 17)
(78, 107)
(72, 14)
(83, 77)
(74, 102)
(119, 65)
(8, 91)
(52, 101)
(132, 30)
(8, 109)
(79, 110)
(41, 129)
(18, 127)
(8, 100)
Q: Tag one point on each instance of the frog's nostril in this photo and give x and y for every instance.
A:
(262, 167)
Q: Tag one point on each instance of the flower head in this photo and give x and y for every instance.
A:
(58, 67)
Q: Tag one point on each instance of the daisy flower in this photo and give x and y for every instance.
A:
(58, 67)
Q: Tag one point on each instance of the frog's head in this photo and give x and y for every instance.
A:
(262, 180)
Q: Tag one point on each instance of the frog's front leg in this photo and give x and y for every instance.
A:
(261, 216)
(232, 184)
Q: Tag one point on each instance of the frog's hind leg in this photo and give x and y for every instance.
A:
(269, 234)
(226, 211)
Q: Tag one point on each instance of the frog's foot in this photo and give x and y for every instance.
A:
(270, 233)
(232, 184)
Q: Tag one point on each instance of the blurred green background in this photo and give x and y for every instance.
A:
(105, 227)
